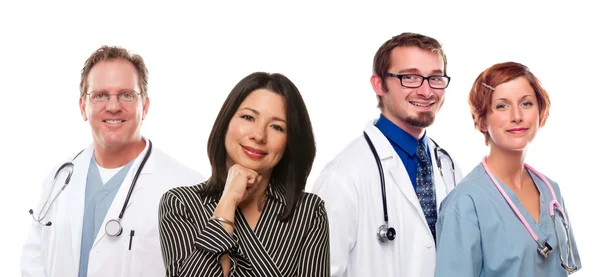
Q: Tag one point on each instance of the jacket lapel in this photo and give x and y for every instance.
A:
(117, 203)
(258, 255)
(392, 166)
(75, 195)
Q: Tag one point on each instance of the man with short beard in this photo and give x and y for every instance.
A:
(383, 190)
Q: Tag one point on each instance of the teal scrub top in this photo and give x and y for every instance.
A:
(478, 233)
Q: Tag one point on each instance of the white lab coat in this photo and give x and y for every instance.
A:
(53, 251)
(350, 187)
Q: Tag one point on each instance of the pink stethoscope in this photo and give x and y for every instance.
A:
(554, 205)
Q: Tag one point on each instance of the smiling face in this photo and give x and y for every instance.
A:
(514, 116)
(411, 108)
(256, 137)
(114, 123)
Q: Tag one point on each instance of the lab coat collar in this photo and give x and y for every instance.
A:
(117, 204)
(393, 166)
(384, 149)
(399, 136)
(76, 193)
(76, 198)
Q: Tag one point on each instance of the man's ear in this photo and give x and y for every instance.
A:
(145, 107)
(377, 84)
(82, 108)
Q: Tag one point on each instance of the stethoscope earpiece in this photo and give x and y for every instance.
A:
(39, 221)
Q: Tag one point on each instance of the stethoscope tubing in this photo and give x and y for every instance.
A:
(71, 167)
(382, 177)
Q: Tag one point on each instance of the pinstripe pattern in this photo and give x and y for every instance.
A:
(192, 245)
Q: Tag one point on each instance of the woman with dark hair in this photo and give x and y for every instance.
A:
(252, 216)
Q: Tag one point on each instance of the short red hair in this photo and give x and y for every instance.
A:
(480, 96)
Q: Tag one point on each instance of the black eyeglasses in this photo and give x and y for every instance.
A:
(416, 80)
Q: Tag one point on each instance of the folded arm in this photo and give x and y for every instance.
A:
(187, 250)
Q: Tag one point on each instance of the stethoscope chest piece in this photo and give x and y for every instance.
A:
(385, 234)
(113, 228)
(544, 249)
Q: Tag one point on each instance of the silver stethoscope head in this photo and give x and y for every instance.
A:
(113, 228)
(385, 233)
(544, 249)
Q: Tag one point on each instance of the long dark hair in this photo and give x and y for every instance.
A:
(292, 171)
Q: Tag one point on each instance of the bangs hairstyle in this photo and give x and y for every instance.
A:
(480, 96)
(291, 173)
(382, 59)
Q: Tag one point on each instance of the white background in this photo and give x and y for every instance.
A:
(197, 52)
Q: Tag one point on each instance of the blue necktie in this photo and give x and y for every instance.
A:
(425, 188)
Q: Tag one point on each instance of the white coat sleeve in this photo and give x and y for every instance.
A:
(341, 203)
(32, 260)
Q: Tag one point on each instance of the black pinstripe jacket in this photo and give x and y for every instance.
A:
(192, 245)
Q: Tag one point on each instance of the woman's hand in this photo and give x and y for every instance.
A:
(240, 183)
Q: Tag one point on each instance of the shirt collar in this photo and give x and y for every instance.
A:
(276, 192)
(398, 136)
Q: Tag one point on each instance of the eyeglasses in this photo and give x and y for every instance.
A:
(123, 97)
(415, 80)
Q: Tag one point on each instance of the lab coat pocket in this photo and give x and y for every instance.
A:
(126, 265)
(130, 267)
(144, 258)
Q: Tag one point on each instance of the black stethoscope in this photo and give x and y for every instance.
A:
(113, 227)
(70, 167)
(384, 232)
